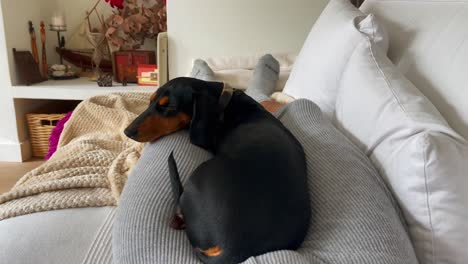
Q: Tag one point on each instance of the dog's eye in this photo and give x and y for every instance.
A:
(163, 105)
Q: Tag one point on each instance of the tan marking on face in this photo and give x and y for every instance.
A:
(212, 252)
(155, 127)
(164, 101)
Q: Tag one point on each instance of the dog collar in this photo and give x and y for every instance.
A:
(225, 98)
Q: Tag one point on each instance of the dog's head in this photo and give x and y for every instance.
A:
(181, 103)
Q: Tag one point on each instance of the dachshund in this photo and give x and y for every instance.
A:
(252, 197)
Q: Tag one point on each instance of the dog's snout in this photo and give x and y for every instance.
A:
(131, 132)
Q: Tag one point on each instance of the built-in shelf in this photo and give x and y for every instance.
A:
(77, 89)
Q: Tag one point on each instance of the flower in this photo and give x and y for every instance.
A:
(116, 3)
(127, 28)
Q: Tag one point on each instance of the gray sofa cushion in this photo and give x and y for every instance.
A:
(72, 236)
(355, 218)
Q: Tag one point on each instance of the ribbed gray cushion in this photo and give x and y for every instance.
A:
(355, 219)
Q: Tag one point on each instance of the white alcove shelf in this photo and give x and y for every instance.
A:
(17, 36)
(77, 89)
(18, 100)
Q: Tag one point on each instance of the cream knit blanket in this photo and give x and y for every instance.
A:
(91, 164)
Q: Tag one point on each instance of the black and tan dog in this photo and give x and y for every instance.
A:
(252, 197)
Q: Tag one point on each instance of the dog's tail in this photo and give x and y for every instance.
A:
(176, 184)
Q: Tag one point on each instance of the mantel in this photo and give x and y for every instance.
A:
(77, 89)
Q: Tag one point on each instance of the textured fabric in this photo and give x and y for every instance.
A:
(420, 156)
(141, 230)
(286, 62)
(318, 68)
(71, 236)
(92, 162)
(238, 70)
(202, 71)
(284, 256)
(355, 219)
(428, 43)
(264, 79)
(100, 251)
(261, 85)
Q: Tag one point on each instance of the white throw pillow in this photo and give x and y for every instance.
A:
(332, 40)
(423, 160)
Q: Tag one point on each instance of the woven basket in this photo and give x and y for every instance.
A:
(40, 128)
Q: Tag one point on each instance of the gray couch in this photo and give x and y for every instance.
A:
(355, 218)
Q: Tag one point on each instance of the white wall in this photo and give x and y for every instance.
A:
(75, 12)
(207, 28)
(14, 17)
(8, 136)
(16, 14)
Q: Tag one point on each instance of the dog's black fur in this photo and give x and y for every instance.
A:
(252, 197)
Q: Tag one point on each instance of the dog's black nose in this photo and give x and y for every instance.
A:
(131, 132)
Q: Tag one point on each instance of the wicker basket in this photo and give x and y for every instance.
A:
(40, 128)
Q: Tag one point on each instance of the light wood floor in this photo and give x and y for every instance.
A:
(10, 172)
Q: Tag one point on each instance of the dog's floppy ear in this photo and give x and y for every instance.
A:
(205, 120)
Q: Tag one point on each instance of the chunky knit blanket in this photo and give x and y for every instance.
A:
(91, 164)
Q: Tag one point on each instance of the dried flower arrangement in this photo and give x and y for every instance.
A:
(132, 23)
